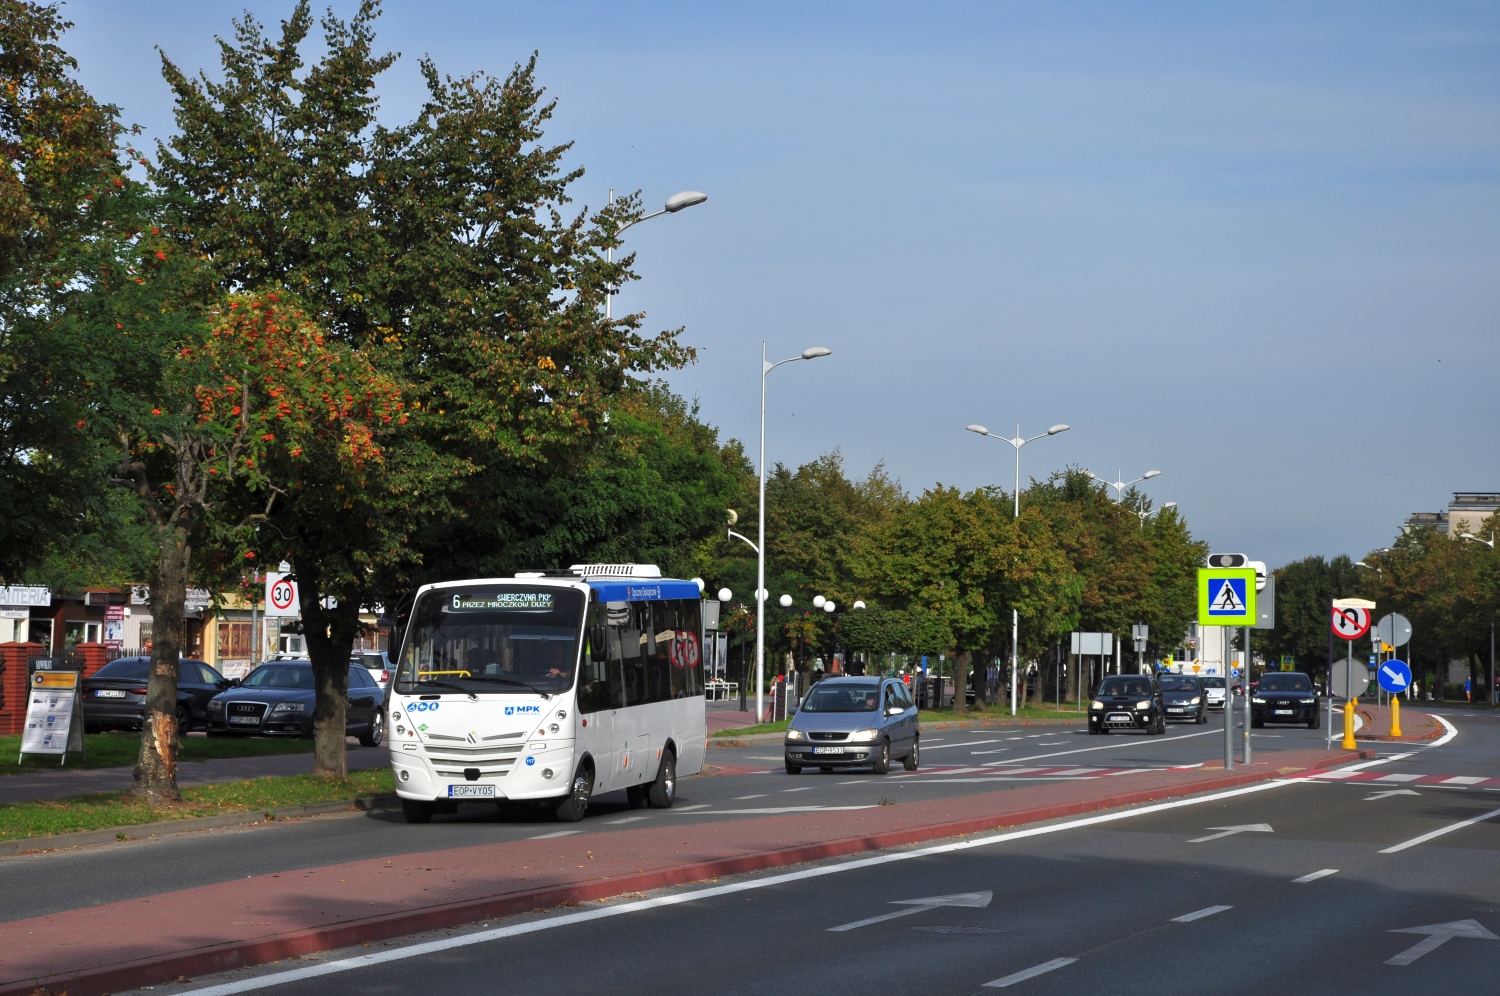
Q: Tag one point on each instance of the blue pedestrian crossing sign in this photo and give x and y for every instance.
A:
(1395, 676)
(1226, 596)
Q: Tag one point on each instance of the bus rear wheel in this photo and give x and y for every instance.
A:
(576, 802)
(663, 792)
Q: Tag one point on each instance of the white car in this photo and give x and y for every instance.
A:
(1213, 690)
(378, 663)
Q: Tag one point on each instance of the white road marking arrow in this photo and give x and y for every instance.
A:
(1437, 935)
(1389, 793)
(973, 900)
(1231, 831)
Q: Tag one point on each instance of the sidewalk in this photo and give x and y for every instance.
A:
(269, 917)
(66, 782)
(1415, 726)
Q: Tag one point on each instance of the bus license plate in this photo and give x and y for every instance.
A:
(828, 750)
(471, 791)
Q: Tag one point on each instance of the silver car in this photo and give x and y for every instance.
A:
(854, 722)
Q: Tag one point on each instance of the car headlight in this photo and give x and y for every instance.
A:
(1195, 700)
(864, 736)
(1258, 700)
(1143, 705)
(794, 734)
(1307, 701)
(288, 707)
(1096, 704)
(215, 705)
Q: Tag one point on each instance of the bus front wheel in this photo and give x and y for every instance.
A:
(576, 802)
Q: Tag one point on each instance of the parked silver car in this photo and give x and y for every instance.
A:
(853, 722)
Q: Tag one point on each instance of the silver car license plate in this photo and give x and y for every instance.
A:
(109, 693)
(471, 791)
(828, 750)
(1284, 712)
(244, 720)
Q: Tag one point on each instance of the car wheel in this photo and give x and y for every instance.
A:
(1202, 716)
(416, 812)
(663, 791)
(1314, 723)
(883, 759)
(576, 802)
(636, 796)
(793, 769)
(184, 720)
(1093, 730)
(375, 734)
(1257, 724)
(911, 761)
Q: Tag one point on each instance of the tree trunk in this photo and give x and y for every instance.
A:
(330, 642)
(156, 766)
(961, 681)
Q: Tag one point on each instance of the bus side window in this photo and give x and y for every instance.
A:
(687, 674)
(593, 681)
(659, 679)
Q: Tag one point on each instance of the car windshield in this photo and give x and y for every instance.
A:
(852, 697)
(505, 639)
(1177, 683)
(128, 667)
(1285, 683)
(1212, 682)
(280, 676)
(1125, 686)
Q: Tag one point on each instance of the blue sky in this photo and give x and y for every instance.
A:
(1254, 247)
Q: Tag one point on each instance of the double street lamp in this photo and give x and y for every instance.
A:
(810, 353)
(1120, 485)
(1491, 544)
(1015, 616)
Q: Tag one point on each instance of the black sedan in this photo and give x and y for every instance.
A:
(1128, 702)
(277, 699)
(1284, 697)
(1184, 697)
(114, 697)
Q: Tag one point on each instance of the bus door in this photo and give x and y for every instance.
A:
(600, 694)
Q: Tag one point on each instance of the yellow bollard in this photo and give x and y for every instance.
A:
(1395, 715)
(1349, 743)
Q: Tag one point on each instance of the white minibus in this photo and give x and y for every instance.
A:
(549, 687)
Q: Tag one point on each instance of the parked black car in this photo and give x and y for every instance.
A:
(114, 697)
(1128, 702)
(1284, 697)
(277, 699)
(1184, 696)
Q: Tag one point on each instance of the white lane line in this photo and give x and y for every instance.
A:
(761, 795)
(1452, 732)
(805, 788)
(1398, 778)
(878, 919)
(1056, 743)
(689, 809)
(1439, 832)
(627, 819)
(1462, 780)
(1200, 914)
(1123, 743)
(586, 916)
(778, 810)
(555, 833)
(968, 743)
(1030, 973)
(1314, 876)
(997, 750)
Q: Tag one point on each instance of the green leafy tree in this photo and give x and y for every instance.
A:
(1305, 590)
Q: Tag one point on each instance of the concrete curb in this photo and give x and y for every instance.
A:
(242, 954)
(136, 831)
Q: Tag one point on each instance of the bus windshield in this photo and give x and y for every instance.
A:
(504, 639)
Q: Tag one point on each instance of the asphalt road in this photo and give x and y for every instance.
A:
(1322, 895)
(954, 763)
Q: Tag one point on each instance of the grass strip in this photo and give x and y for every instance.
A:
(118, 809)
(114, 750)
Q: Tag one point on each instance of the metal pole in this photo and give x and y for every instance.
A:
(1492, 657)
(760, 553)
(1247, 694)
(1228, 699)
(609, 257)
(1015, 616)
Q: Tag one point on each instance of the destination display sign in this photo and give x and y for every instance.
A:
(528, 601)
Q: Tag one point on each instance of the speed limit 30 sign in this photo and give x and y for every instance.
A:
(281, 595)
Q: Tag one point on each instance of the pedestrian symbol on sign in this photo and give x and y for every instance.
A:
(1229, 600)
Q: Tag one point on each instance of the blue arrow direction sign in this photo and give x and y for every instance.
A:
(1395, 676)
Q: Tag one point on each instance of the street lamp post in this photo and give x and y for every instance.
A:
(1015, 616)
(1120, 485)
(1491, 544)
(675, 203)
(810, 353)
(1146, 515)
